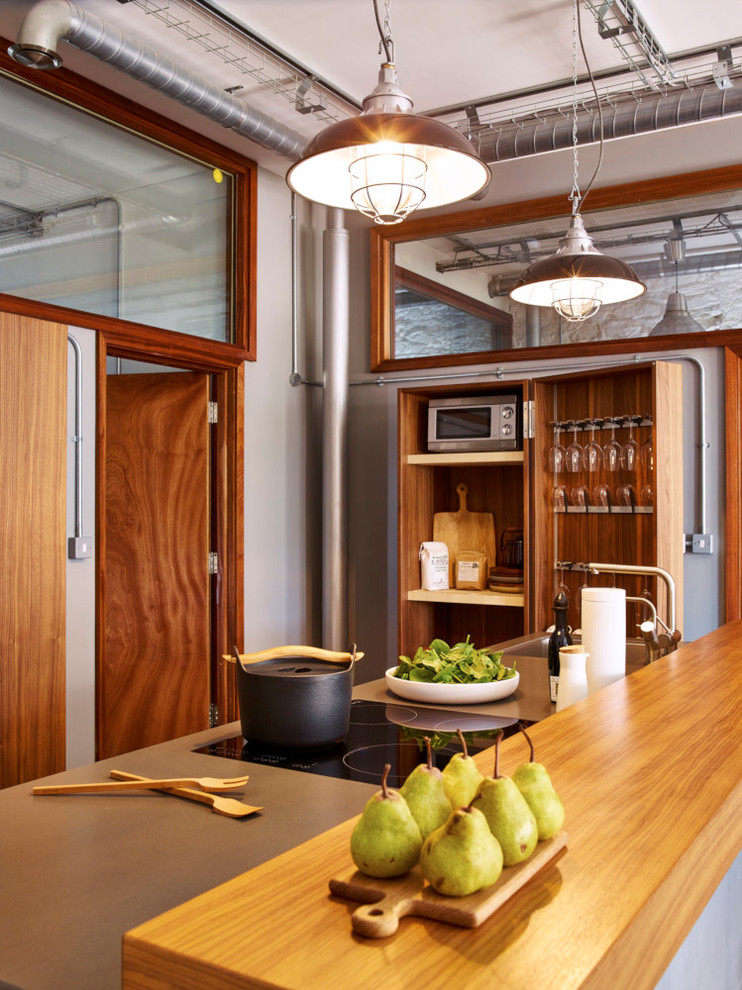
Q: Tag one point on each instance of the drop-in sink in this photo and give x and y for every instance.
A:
(537, 645)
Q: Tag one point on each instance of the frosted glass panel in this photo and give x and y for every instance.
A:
(99, 219)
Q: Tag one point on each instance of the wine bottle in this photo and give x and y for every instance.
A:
(559, 638)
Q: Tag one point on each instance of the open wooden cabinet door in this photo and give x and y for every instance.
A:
(32, 520)
(154, 679)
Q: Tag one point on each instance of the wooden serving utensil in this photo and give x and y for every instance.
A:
(209, 784)
(230, 807)
(305, 652)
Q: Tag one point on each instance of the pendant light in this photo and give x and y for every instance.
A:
(677, 318)
(387, 162)
(578, 279)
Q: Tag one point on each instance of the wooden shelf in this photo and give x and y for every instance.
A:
(456, 596)
(478, 458)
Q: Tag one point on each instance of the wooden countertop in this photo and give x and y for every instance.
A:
(650, 773)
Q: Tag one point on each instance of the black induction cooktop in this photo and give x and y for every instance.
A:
(379, 733)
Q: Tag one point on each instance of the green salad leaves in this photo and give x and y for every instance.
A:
(463, 663)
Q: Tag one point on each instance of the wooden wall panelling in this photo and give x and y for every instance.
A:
(668, 459)
(32, 520)
(733, 514)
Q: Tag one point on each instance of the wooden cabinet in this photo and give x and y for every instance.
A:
(518, 487)
(498, 483)
(643, 525)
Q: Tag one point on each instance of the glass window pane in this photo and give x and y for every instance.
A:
(99, 219)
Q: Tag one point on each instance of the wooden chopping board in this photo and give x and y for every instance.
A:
(464, 530)
(385, 901)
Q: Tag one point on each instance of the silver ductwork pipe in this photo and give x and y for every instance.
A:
(711, 261)
(644, 114)
(336, 322)
(52, 21)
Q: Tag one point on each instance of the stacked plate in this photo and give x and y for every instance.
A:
(506, 580)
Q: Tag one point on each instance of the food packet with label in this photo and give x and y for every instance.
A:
(433, 566)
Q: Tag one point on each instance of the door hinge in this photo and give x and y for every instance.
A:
(213, 413)
(213, 562)
(213, 715)
(529, 419)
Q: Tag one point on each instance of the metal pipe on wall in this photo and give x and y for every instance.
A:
(336, 335)
(77, 438)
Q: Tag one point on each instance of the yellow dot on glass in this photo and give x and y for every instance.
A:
(217, 173)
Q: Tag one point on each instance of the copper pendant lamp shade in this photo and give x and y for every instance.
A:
(577, 279)
(388, 164)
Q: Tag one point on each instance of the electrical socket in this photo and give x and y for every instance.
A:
(699, 543)
(79, 547)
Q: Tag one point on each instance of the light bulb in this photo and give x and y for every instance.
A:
(576, 299)
(387, 180)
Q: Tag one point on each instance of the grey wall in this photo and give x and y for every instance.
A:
(80, 641)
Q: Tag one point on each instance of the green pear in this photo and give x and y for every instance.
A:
(386, 840)
(461, 856)
(461, 776)
(510, 819)
(534, 783)
(424, 793)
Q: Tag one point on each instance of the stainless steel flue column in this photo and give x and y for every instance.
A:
(336, 329)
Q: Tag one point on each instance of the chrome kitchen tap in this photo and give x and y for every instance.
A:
(665, 642)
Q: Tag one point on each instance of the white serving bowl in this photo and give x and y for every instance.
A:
(451, 694)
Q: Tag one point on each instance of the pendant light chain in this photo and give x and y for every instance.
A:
(575, 196)
(598, 105)
(578, 279)
(385, 31)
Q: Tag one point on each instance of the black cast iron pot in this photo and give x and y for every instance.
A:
(295, 697)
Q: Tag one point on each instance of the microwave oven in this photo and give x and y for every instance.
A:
(481, 422)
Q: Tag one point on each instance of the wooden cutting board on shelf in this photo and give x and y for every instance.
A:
(385, 901)
(464, 530)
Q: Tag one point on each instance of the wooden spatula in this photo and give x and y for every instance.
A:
(220, 805)
(210, 784)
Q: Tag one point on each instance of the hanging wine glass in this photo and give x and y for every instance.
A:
(557, 452)
(612, 450)
(585, 584)
(602, 496)
(593, 450)
(630, 450)
(646, 455)
(559, 586)
(575, 457)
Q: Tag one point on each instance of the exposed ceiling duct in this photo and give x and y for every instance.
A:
(534, 135)
(51, 21)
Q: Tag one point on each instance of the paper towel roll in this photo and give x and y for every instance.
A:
(604, 635)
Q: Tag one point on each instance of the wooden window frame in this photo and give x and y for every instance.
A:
(130, 338)
(383, 241)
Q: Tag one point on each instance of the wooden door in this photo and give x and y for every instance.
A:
(33, 417)
(153, 677)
